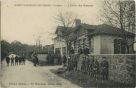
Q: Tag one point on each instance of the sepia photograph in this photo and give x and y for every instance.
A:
(68, 44)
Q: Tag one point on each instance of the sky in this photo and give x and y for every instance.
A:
(25, 20)
(25, 23)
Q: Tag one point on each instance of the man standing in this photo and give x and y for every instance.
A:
(105, 69)
(48, 58)
(69, 64)
(83, 66)
(35, 59)
(64, 60)
(12, 60)
(81, 56)
(52, 58)
(19, 60)
(91, 72)
(23, 59)
(96, 69)
(7, 60)
(71, 51)
(16, 60)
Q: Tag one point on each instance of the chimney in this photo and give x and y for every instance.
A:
(77, 22)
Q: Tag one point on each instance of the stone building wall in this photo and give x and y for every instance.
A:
(119, 67)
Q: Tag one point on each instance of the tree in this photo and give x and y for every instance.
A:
(16, 47)
(66, 19)
(5, 49)
(120, 14)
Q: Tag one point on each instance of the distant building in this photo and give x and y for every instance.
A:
(60, 45)
(48, 48)
(99, 39)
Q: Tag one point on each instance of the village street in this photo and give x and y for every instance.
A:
(28, 76)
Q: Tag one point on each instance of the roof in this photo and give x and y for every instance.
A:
(65, 30)
(109, 30)
(71, 33)
(60, 28)
(87, 26)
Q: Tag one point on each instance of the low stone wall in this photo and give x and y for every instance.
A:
(121, 67)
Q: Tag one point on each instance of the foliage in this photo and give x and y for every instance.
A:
(16, 47)
(5, 48)
(66, 19)
(120, 14)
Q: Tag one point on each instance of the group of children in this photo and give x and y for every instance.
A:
(15, 60)
(89, 65)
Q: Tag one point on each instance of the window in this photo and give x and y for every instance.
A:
(119, 46)
(57, 51)
(64, 50)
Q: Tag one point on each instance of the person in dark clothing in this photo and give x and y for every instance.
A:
(80, 51)
(91, 64)
(72, 51)
(64, 60)
(23, 60)
(75, 61)
(86, 51)
(96, 69)
(105, 69)
(69, 63)
(87, 63)
(55, 59)
(20, 60)
(12, 61)
(48, 58)
(59, 59)
(35, 59)
(52, 58)
(16, 60)
(83, 65)
(7, 60)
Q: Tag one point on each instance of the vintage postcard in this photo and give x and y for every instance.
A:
(68, 44)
